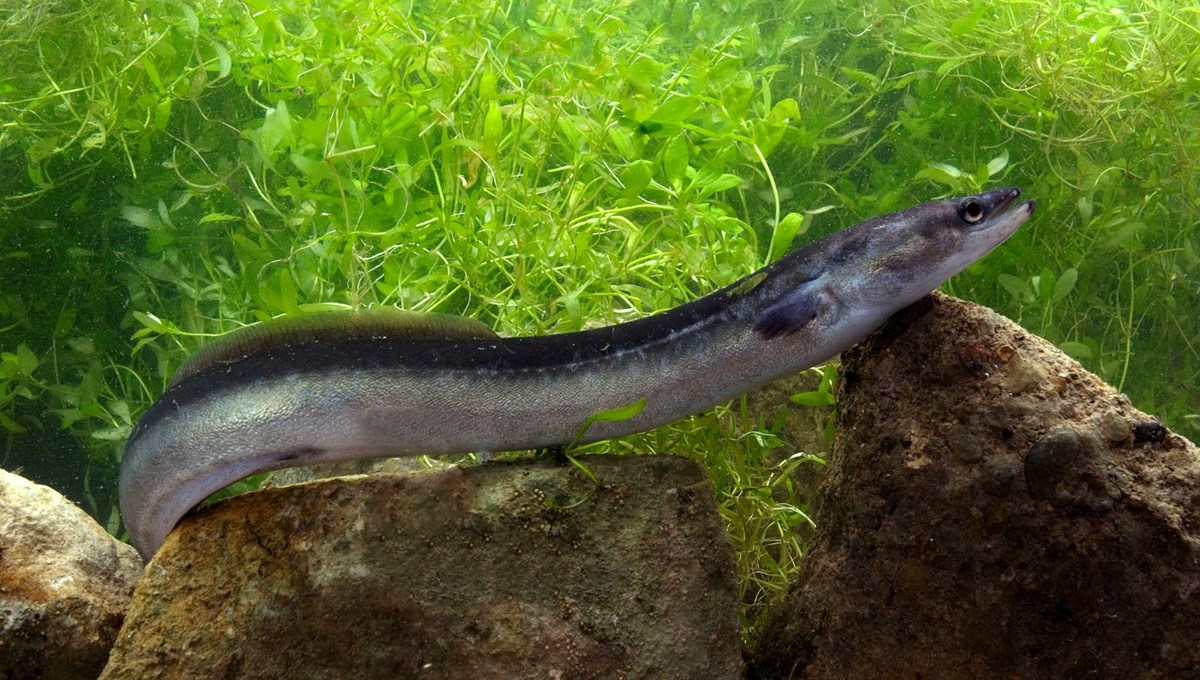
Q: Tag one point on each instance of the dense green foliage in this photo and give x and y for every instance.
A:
(170, 171)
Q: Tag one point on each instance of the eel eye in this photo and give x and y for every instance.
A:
(970, 210)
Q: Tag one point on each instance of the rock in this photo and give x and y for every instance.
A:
(992, 510)
(525, 569)
(64, 585)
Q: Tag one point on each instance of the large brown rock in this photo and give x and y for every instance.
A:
(992, 510)
(64, 585)
(522, 569)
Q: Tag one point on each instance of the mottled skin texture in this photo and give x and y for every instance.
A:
(335, 397)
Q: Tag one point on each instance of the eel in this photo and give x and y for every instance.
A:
(351, 386)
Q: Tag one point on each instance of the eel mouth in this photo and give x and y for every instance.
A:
(1021, 212)
(1003, 198)
(1003, 217)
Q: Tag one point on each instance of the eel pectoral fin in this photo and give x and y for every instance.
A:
(792, 312)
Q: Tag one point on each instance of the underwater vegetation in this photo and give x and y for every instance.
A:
(172, 171)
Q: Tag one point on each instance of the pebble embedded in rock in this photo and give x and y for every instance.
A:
(1114, 428)
(1149, 431)
(1049, 461)
(1000, 476)
(965, 445)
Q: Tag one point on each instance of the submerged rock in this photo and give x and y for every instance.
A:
(64, 585)
(992, 510)
(522, 569)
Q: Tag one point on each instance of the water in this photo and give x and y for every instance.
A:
(172, 171)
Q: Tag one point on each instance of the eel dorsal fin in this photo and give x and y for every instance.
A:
(372, 324)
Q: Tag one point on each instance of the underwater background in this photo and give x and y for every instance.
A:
(171, 171)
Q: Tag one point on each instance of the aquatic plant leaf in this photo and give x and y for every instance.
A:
(95, 140)
(675, 110)
(164, 215)
(785, 232)
(612, 415)
(813, 398)
(141, 217)
(11, 425)
(192, 21)
(120, 409)
(1018, 288)
(152, 73)
(224, 61)
(868, 80)
(276, 129)
(942, 173)
(636, 177)
(1064, 285)
(487, 84)
(642, 69)
(313, 169)
(27, 361)
(967, 22)
(493, 128)
(708, 184)
(65, 322)
(997, 164)
(947, 66)
(153, 324)
(1076, 350)
(675, 158)
(112, 434)
(1084, 205)
(621, 139)
(784, 110)
(616, 415)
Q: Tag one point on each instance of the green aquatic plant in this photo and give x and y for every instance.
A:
(173, 171)
(536, 169)
(1097, 98)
